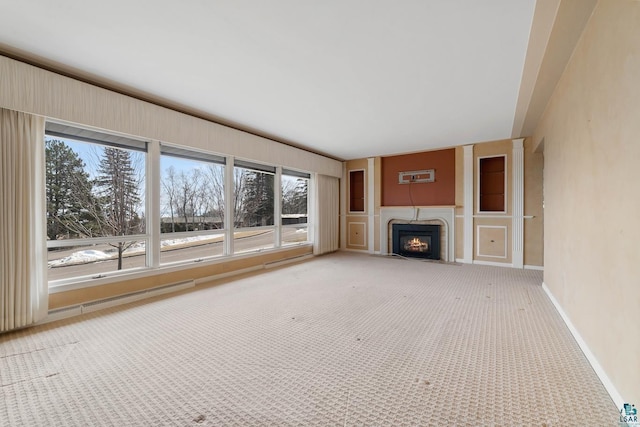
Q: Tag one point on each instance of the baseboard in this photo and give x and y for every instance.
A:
(493, 264)
(91, 306)
(208, 279)
(361, 251)
(499, 264)
(88, 307)
(61, 313)
(608, 385)
(287, 261)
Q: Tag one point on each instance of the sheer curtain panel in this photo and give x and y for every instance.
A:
(327, 214)
(23, 283)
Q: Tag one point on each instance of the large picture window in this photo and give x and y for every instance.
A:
(253, 207)
(192, 208)
(295, 207)
(101, 200)
(95, 194)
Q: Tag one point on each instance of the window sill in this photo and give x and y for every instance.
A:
(139, 273)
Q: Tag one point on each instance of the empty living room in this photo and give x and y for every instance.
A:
(319, 214)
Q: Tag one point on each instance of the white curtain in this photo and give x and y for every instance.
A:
(326, 233)
(23, 282)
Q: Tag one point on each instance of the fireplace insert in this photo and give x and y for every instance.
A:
(416, 240)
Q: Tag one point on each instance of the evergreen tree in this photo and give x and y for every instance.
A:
(68, 192)
(294, 196)
(258, 199)
(117, 191)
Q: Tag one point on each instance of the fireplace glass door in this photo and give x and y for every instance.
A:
(416, 240)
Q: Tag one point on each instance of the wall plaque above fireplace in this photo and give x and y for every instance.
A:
(416, 240)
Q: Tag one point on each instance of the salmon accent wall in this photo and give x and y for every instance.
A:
(442, 192)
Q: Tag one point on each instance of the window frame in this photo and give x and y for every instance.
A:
(307, 177)
(151, 203)
(199, 157)
(87, 135)
(251, 166)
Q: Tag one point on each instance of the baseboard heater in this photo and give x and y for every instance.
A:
(279, 263)
(75, 310)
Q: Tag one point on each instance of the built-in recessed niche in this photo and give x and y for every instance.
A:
(491, 176)
(356, 191)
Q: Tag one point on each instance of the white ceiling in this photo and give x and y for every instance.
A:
(349, 78)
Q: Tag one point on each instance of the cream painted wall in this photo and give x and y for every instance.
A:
(592, 201)
(33, 90)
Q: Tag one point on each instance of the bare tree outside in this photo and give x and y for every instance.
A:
(239, 187)
(170, 188)
(193, 197)
(214, 187)
(198, 202)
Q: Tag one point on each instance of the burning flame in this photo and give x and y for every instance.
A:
(416, 244)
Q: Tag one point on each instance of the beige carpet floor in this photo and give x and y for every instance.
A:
(340, 340)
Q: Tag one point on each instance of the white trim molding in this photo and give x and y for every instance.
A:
(371, 203)
(497, 216)
(478, 241)
(364, 234)
(493, 263)
(611, 389)
(343, 206)
(153, 203)
(517, 228)
(468, 204)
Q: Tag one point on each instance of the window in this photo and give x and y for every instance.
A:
(492, 184)
(253, 207)
(356, 191)
(191, 205)
(95, 195)
(98, 202)
(295, 207)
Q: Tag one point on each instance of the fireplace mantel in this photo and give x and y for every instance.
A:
(418, 213)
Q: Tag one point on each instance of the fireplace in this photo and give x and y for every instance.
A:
(416, 240)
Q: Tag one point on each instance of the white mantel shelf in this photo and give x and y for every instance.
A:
(445, 214)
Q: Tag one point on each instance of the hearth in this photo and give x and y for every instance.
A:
(416, 240)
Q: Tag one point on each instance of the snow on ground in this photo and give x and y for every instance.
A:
(81, 257)
(93, 255)
(174, 242)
